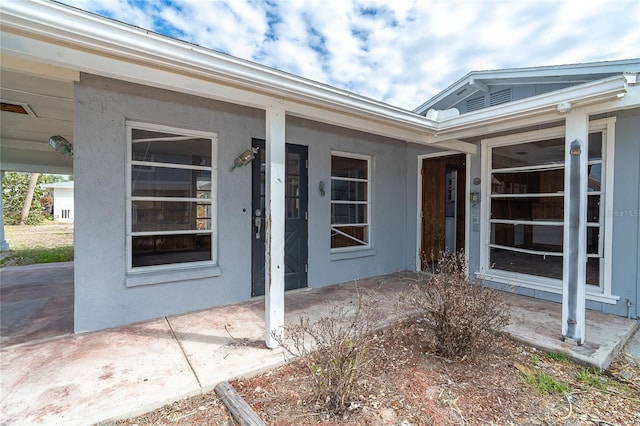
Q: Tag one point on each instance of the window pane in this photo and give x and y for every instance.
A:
(169, 216)
(595, 146)
(534, 208)
(348, 167)
(593, 208)
(187, 151)
(348, 214)
(530, 237)
(293, 163)
(593, 239)
(593, 271)
(525, 263)
(293, 197)
(168, 182)
(528, 182)
(529, 154)
(348, 236)
(595, 178)
(168, 249)
(344, 190)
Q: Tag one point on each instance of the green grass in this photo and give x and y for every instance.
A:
(556, 357)
(544, 384)
(38, 255)
(591, 377)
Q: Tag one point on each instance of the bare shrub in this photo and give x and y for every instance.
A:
(463, 314)
(335, 350)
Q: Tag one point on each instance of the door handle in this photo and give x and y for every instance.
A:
(257, 222)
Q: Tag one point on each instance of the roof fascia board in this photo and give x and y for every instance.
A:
(360, 123)
(457, 145)
(37, 49)
(93, 33)
(605, 67)
(596, 91)
(631, 99)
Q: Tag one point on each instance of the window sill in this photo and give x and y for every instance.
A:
(550, 286)
(163, 276)
(352, 254)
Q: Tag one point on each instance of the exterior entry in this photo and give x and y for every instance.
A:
(296, 201)
(443, 207)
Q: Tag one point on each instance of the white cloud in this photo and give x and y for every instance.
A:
(401, 52)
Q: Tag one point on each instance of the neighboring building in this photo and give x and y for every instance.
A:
(62, 200)
(342, 187)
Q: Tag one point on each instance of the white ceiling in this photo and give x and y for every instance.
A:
(24, 139)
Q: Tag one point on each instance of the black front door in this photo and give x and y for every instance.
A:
(295, 223)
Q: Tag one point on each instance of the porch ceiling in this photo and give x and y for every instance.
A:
(46, 94)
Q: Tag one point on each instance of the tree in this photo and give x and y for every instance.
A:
(15, 186)
(26, 205)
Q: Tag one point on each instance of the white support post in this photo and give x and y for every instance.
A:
(275, 221)
(4, 245)
(575, 227)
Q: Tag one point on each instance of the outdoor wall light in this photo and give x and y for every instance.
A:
(244, 158)
(61, 145)
(575, 147)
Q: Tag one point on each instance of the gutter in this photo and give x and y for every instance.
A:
(89, 32)
(574, 96)
(86, 32)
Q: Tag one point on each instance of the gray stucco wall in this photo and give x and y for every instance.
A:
(102, 106)
(626, 216)
(388, 202)
(102, 297)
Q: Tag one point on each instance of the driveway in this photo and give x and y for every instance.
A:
(36, 303)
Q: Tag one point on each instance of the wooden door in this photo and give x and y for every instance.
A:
(433, 209)
(434, 183)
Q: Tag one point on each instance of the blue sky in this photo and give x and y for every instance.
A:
(398, 51)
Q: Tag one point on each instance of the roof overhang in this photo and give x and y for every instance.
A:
(610, 94)
(60, 42)
(573, 74)
(70, 38)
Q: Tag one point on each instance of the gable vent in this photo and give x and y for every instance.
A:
(500, 97)
(475, 104)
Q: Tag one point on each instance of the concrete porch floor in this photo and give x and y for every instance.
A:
(120, 372)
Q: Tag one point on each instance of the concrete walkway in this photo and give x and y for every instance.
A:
(93, 377)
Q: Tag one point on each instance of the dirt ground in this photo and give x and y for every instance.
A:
(408, 385)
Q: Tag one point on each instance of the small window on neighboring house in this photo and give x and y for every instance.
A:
(66, 214)
(350, 211)
(171, 196)
(475, 104)
(500, 97)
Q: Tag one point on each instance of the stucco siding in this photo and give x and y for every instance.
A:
(102, 106)
(626, 217)
(388, 202)
(104, 294)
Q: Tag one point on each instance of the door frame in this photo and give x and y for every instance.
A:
(304, 171)
(467, 204)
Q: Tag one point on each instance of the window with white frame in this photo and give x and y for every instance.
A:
(171, 196)
(525, 207)
(350, 209)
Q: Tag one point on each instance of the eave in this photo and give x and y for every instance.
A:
(72, 38)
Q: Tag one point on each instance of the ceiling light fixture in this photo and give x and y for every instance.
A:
(61, 145)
